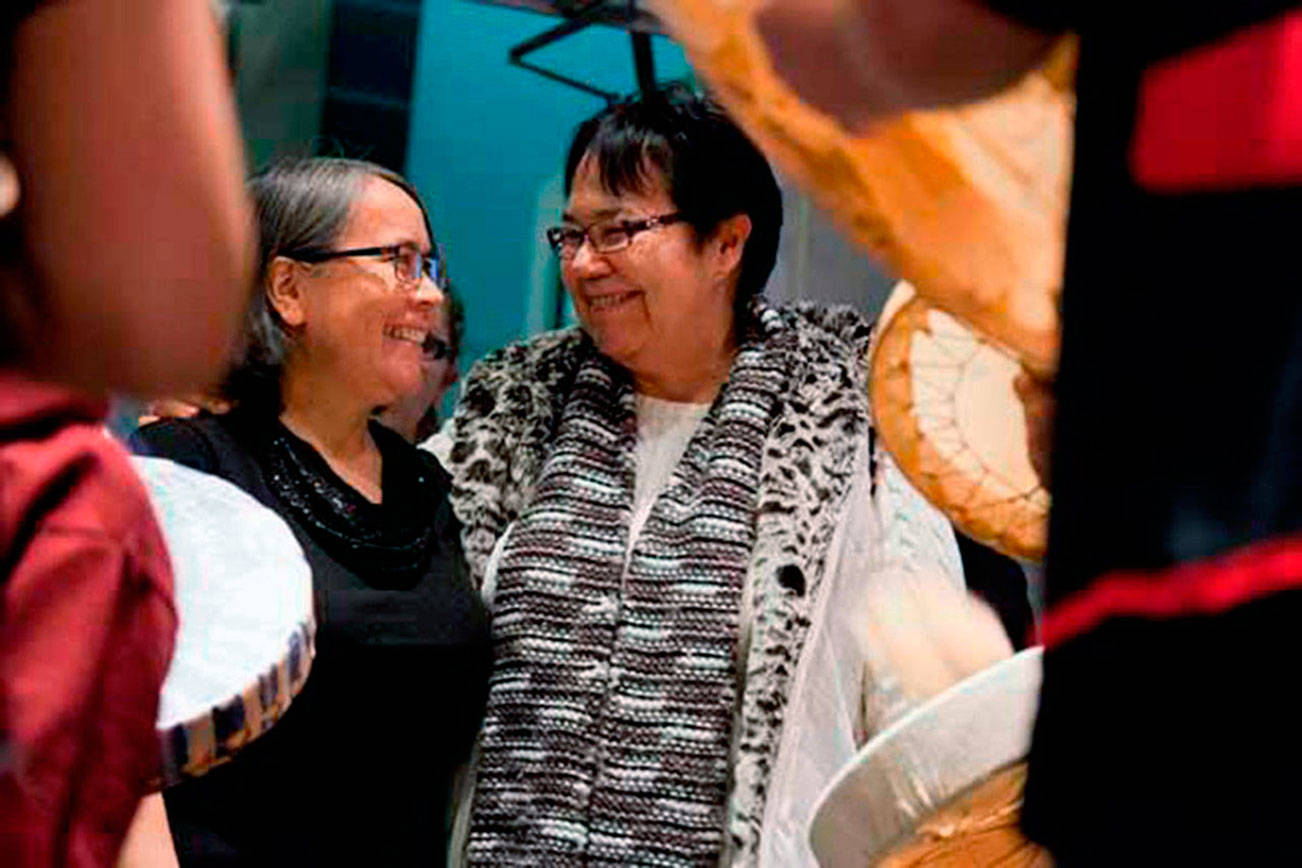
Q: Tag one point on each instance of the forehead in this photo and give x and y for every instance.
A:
(591, 200)
(383, 214)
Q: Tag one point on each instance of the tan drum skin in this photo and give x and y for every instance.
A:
(980, 828)
(945, 406)
(968, 205)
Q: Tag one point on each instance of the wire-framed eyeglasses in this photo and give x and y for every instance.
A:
(409, 264)
(605, 236)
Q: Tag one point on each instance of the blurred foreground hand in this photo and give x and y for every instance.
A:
(927, 636)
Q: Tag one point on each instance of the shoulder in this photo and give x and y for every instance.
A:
(831, 332)
(514, 393)
(827, 356)
(77, 480)
(394, 447)
(543, 361)
(193, 442)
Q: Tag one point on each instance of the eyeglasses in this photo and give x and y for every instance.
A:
(606, 236)
(409, 264)
(437, 349)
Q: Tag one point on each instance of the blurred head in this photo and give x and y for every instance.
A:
(416, 416)
(347, 290)
(671, 224)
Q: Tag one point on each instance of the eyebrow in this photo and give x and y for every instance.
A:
(599, 214)
(410, 242)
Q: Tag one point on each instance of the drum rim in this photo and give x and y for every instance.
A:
(210, 736)
(192, 748)
(890, 394)
(1023, 671)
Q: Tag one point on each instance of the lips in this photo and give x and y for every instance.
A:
(407, 334)
(598, 303)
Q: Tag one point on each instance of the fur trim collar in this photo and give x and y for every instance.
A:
(505, 422)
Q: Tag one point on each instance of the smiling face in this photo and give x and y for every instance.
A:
(358, 329)
(656, 303)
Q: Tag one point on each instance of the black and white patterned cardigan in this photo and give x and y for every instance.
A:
(500, 435)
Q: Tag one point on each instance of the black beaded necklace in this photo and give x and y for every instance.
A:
(387, 544)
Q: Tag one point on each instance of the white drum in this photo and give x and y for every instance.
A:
(244, 600)
(942, 785)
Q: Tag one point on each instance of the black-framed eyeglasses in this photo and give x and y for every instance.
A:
(409, 264)
(436, 349)
(605, 236)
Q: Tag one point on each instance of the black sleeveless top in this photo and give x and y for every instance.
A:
(359, 769)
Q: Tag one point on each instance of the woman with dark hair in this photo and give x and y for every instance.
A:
(676, 512)
(359, 769)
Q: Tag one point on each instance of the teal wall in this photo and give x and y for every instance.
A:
(486, 145)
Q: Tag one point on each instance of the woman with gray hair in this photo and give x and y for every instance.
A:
(359, 769)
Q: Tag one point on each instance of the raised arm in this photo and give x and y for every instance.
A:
(136, 236)
(862, 60)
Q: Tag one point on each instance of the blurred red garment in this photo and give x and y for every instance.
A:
(87, 625)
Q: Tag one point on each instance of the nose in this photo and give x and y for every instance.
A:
(587, 262)
(428, 294)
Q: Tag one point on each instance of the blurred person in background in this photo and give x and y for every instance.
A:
(359, 769)
(416, 416)
(125, 246)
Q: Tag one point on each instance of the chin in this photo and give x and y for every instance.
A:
(621, 353)
(616, 345)
(397, 386)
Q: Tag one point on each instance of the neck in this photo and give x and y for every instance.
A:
(402, 420)
(336, 426)
(693, 377)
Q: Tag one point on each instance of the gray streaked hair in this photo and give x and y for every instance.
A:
(302, 207)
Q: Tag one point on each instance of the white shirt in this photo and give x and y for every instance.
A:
(664, 429)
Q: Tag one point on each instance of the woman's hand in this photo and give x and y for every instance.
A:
(924, 635)
(182, 408)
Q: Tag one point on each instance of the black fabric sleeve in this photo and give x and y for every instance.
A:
(16, 10)
(1042, 15)
(1160, 25)
(997, 579)
(179, 440)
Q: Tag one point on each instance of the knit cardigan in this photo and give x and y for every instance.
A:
(500, 434)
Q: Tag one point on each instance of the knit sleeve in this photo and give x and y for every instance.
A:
(916, 537)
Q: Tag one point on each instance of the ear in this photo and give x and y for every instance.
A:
(729, 242)
(284, 291)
